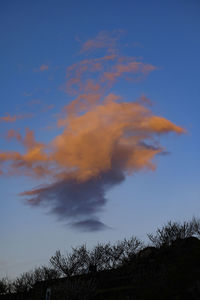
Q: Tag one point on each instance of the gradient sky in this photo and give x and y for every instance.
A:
(158, 44)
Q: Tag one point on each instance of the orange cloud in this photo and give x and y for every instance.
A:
(103, 72)
(27, 163)
(131, 67)
(10, 119)
(12, 133)
(103, 140)
(76, 73)
(109, 135)
(112, 133)
(104, 40)
(94, 152)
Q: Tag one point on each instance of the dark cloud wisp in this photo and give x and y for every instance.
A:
(76, 201)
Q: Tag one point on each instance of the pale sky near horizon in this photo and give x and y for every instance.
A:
(143, 51)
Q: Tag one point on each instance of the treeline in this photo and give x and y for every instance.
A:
(107, 256)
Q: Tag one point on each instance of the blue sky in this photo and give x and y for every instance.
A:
(39, 40)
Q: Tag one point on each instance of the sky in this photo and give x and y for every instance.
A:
(99, 123)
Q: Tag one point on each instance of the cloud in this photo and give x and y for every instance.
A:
(77, 74)
(94, 153)
(89, 225)
(133, 67)
(79, 201)
(103, 140)
(104, 40)
(28, 163)
(12, 133)
(41, 68)
(44, 67)
(102, 73)
(10, 119)
(145, 100)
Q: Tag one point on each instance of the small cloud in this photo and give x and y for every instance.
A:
(12, 133)
(104, 40)
(42, 68)
(89, 225)
(10, 119)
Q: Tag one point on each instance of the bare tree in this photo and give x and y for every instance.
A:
(24, 283)
(3, 286)
(27, 280)
(6, 286)
(122, 251)
(81, 258)
(45, 273)
(101, 257)
(68, 265)
(195, 225)
(174, 230)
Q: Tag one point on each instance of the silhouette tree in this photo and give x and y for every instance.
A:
(27, 280)
(24, 283)
(68, 265)
(172, 231)
(5, 286)
(101, 257)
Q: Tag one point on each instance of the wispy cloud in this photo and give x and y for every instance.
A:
(13, 118)
(8, 118)
(104, 40)
(145, 100)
